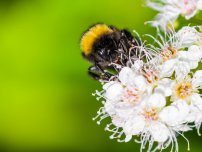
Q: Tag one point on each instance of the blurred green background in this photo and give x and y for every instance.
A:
(45, 92)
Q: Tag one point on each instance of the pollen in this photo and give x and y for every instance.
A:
(89, 38)
(151, 76)
(168, 53)
(151, 114)
(132, 96)
(183, 90)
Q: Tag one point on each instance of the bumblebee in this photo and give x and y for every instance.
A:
(102, 45)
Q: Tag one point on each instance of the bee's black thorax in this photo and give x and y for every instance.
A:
(106, 47)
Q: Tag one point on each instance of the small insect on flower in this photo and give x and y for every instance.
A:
(106, 46)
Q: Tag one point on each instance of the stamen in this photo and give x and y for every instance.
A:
(183, 90)
(150, 114)
(198, 129)
(150, 75)
(168, 53)
(188, 148)
(132, 95)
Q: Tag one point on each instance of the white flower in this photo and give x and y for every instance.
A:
(146, 120)
(170, 10)
(123, 95)
(131, 108)
(187, 102)
(129, 88)
(187, 89)
(181, 62)
(178, 52)
(175, 114)
(188, 36)
(156, 83)
(159, 98)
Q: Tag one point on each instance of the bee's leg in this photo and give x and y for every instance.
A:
(126, 40)
(132, 44)
(123, 45)
(130, 38)
(124, 53)
(93, 75)
(98, 73)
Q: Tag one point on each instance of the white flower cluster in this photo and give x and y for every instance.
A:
(158, 99)
(170, 10)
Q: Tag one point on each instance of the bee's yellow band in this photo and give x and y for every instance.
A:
(92, 35)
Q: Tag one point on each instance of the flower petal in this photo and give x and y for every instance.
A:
(125, 75)
(182, 68)
(134, 125)
(195, 115)
(167, 68)
(159, 132)
(190, 15)
(183, 109)
(199, 5)
(124, 109)
(169, 115)
(194, 53)
(114, 92)
(164, 86)
(118, 121)
(128, 137)
(109, 108)
(196, 100)
(139, 82)
(197, 79)
(187, 36)
(156, 100)
(182, 128)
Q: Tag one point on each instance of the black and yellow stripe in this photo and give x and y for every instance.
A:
(94, 33)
